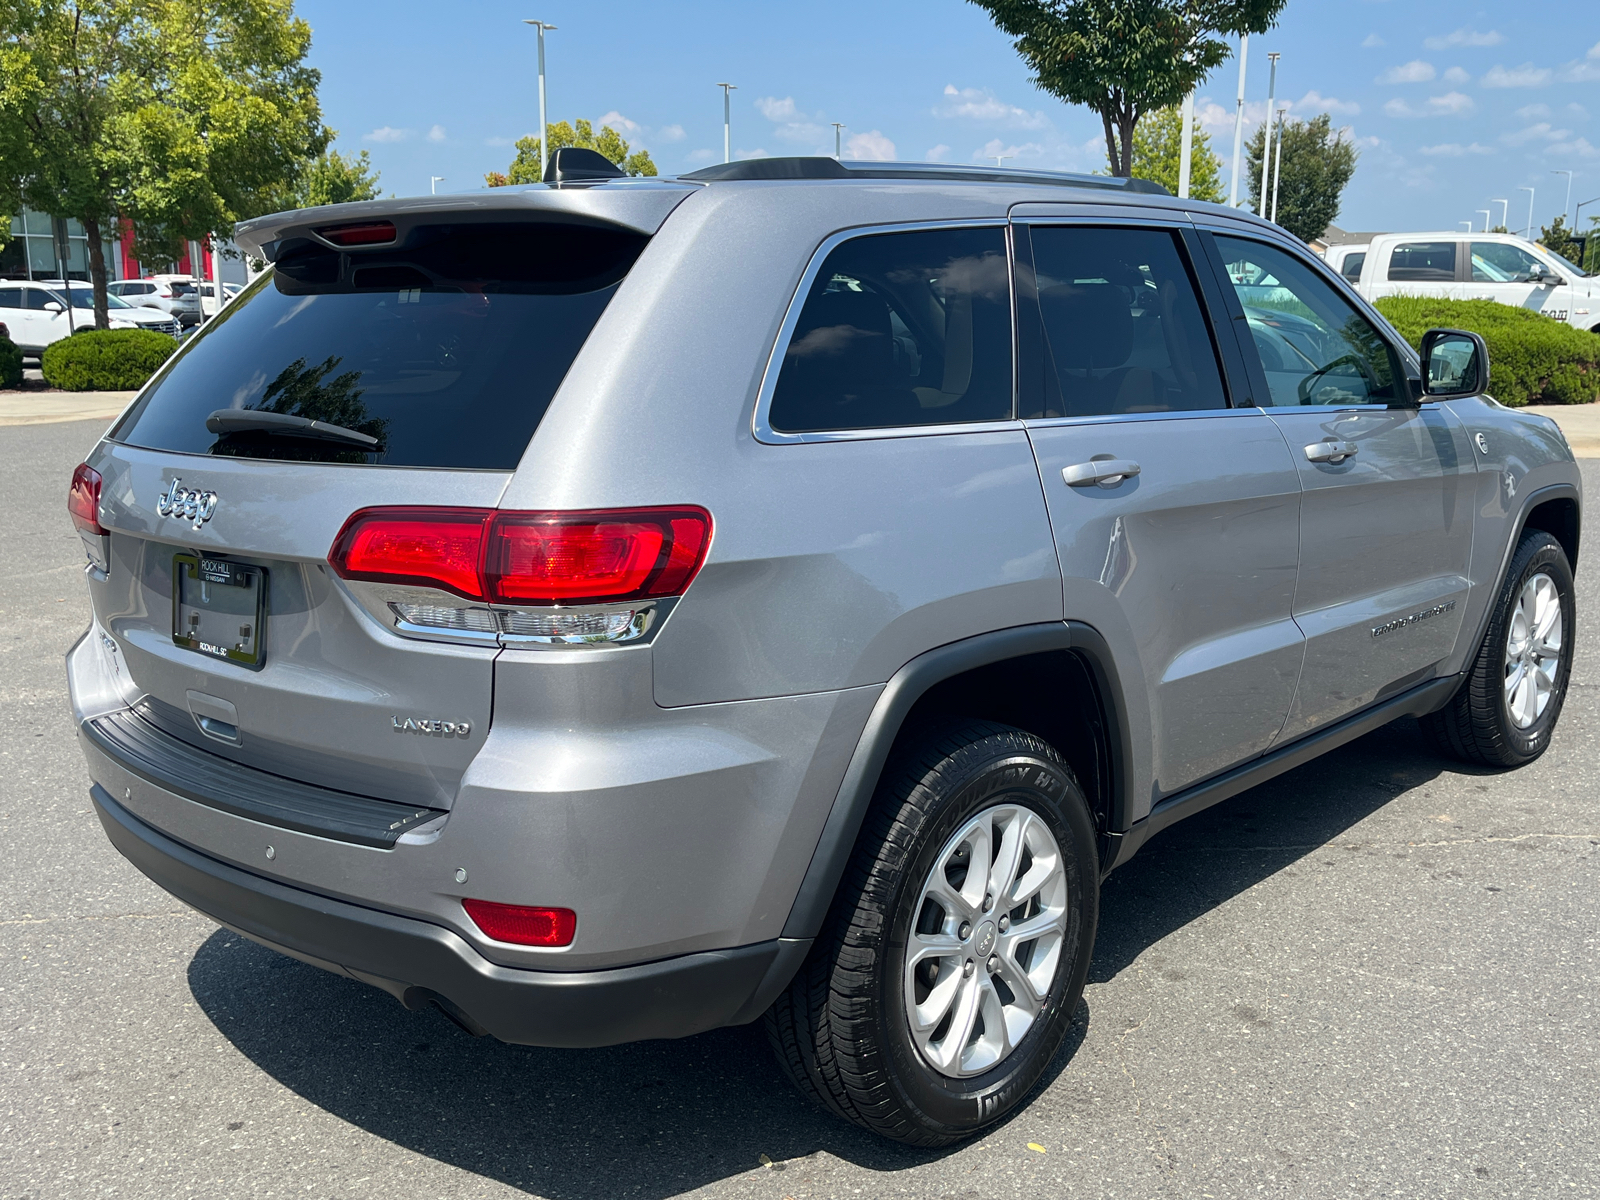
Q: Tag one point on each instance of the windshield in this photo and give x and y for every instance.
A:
(447, 349)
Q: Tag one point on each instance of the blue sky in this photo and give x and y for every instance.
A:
(1451, 106)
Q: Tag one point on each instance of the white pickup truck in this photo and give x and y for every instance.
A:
(1473, 266)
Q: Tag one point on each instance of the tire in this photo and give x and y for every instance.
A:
(843, 1029)
(1482, 724)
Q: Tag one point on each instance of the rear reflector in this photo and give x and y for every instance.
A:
(367, 233)
(83, 499)
(528, 559)
(521, 925)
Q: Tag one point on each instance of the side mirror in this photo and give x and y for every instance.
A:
(50, 306)
(1454, 363)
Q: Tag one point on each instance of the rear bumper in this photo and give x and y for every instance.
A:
(421, 963)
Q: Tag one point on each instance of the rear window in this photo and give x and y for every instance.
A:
(447, 349)
(1423, 262)
(1351, 267)
(182, 289)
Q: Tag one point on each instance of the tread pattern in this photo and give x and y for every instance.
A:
(824, 1028)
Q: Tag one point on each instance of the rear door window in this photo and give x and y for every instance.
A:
(1351, 267)
(447, 349)
(1124, 330)
(1423, 262)
(901, 329)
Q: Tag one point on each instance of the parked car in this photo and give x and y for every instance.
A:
(1347, 260)
(175, 294)
(1480, 266)
(35, 314)
(208, 292)
(616, 611)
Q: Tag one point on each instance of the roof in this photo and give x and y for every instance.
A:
(833, 168)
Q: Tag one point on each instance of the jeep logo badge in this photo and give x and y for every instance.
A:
(189, 504)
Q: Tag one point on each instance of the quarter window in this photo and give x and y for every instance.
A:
(901, 329)
(1314, 346)
(1423, 262)
(1124, 331)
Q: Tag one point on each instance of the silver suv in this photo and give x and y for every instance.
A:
(614, 609)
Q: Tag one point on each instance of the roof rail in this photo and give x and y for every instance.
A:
(832, 168)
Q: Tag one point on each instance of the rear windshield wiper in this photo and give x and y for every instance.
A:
(245, 420)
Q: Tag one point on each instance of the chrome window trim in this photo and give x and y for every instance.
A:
(1195, 414)
(760, 424)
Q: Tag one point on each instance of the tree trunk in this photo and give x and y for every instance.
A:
(97, 273)
(1112, 156)
(1125, 122)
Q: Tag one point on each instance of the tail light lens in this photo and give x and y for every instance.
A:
(83, 500)
(528, 558)
(367, 233)
(521, 925)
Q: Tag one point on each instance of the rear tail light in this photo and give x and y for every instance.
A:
(83, 500)
(521, 925)
(367, 233)
(527, 559)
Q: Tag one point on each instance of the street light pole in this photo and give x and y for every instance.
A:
(727, 120)
(433, 184)
(1565, 208)
(544, 124)
(1486, 215)
(838, 129)
(1186, 151)
(1238, 123)
(1505, 211)
(1277, 171)
(1000, 159)
(1528, 232)
(1266, 142)
(1468, 224)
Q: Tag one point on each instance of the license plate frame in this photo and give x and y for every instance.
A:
(219, 609)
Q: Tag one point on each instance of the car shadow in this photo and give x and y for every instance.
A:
(655, 1119)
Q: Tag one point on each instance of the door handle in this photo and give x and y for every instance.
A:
(1100, 472)
(1330, 451)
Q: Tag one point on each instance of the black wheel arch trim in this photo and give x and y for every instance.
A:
(896, 701)
(1554, 491)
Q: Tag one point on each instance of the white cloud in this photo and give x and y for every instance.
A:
(1529, 111)
(1527, 75)
(1594, 52)
(1415, 71)
(870, 145)
(756, 153)
(387, 134)
(1578, 111)
(1582, 72)
(701, 156)
(995, 148)
(1455, 75)
(1372, 40)
(937, 153)
(621, 124)
(980, 104)
(1448, 105)
(497, 141)
(1455, 150)
(774, 109)
(1535, 133)
(1577, 148)
(436, 134)
(1316, 102)
(1464, 37)
(671, 133)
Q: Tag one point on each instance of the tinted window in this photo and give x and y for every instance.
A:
(1351, 267)
(1315, 348)
(901, 329)
(1423, 262)
(182, 289)
(1498, 262)
(447, 349)
(37, 298)
(1124, 331)
(10, 297)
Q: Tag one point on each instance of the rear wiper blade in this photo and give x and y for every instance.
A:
(245, 420)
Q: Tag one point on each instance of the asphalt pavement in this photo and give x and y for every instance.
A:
(1374, 976)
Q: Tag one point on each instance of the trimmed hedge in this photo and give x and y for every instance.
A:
(1532, 359)
(10, 363)
(105, 360)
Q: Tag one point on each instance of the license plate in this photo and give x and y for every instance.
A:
(219, 609)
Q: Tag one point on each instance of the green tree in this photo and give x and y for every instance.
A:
(1125, 58)
(1157, 155)
(1557, 238)
(525, 167)
(183, 115)
(1317, 165)
(335, 178)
